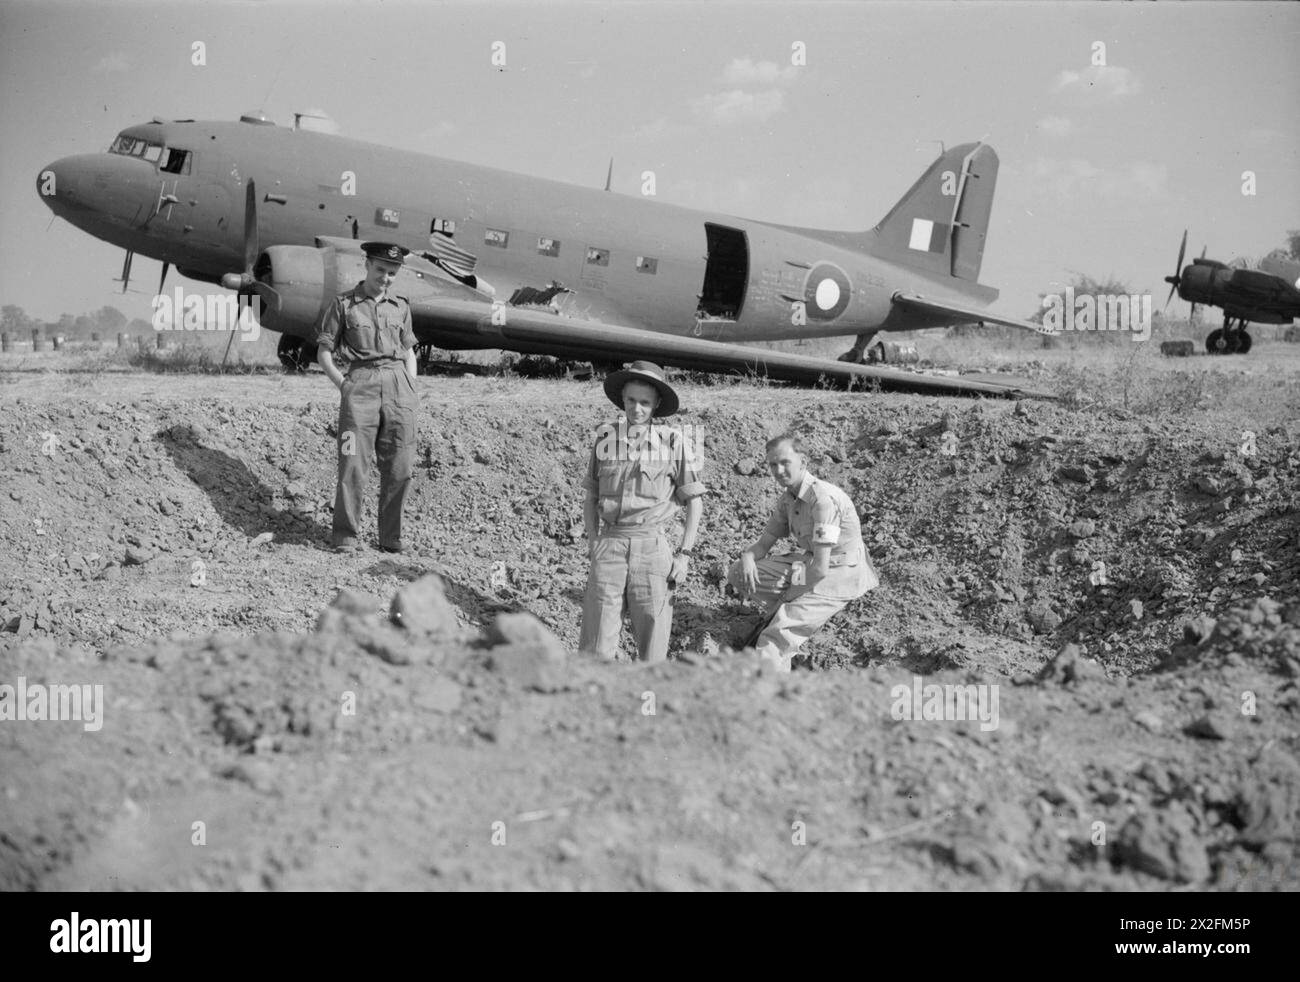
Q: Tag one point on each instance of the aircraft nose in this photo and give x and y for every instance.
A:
(63, 182)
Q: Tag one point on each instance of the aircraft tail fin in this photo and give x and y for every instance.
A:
(941, 223)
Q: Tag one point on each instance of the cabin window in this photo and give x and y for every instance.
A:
(447, 226)
(496, 237)
(548, 247)
(597, 257)
(175, 161)
(388, 217)
(647, 264)
(152, 152)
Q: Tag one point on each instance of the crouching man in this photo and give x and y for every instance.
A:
(802, 590)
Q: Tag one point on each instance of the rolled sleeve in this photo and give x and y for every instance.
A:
(327, 330)
(408, 331)
(686, 473)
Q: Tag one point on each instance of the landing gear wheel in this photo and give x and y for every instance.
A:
(1243, 342)
(1220, 342)
(295, 353)
(857, 354)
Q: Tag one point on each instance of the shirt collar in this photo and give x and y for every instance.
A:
(359, 293)
(804, 490)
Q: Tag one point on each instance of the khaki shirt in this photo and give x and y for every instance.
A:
(641, 482)
(364, 330)
(819, 513)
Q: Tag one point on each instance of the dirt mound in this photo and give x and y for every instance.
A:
(1132, 587)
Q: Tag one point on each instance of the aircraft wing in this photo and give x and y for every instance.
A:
(960, 313)
(453, 322)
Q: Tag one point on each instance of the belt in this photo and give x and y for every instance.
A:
(631, 531)
(376, 363)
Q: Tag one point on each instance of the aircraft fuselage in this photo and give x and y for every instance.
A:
(628, 260)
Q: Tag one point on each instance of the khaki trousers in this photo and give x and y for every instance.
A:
(629, 567)
(800, 610)
(377, 413)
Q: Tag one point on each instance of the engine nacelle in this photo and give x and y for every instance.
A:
(304, 279)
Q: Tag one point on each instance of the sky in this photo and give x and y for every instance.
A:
(1102, 164)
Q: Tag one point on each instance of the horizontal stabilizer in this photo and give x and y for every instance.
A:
(960, 313)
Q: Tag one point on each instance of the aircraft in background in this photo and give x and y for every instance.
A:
(580, 273)
(1267, 295)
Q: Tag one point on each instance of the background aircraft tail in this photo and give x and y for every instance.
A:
(941, 223)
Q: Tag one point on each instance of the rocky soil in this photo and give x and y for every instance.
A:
(279, 717)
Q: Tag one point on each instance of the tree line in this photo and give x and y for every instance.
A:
(107, 321)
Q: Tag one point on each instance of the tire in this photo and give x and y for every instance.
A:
(295, 354)
(1244, 342)
(1218, 343)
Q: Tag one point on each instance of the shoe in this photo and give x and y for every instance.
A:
(396, 549)
(346, 545)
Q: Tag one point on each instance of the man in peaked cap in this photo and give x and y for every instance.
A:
(639, 473)
(370, 330)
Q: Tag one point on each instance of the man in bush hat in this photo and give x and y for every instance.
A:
(639, 473)
(370, 329)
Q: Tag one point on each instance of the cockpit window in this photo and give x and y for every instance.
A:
(169, 159)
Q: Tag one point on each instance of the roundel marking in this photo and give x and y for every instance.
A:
(827, 292)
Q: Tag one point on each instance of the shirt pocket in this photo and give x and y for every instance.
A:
(390, 330)
(653, 481)
(801, 523)
(358, 332)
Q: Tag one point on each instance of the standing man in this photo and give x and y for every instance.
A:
(803, 590)
(371, 329)
(639, 473)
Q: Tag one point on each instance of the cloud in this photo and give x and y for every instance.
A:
(1096, 83)
(1056, 125)
(746, 71)
(114, 62)
(752, 92)
(650, 131)
(1076, 179)
(737, 105)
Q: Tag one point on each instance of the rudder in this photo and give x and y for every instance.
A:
(941, 223)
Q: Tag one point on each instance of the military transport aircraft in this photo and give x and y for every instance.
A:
(1268, 295)
(579, 273)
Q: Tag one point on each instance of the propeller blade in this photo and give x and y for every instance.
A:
(163, 279)
(1178, 270)
(1203, 248)
(250, 227)
(270, 298)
